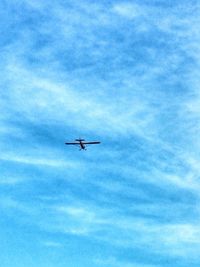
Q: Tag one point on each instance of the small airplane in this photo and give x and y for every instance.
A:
(82, 143)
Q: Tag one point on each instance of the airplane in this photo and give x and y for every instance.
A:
(82, 143)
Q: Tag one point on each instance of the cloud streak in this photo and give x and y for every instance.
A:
(124, 73)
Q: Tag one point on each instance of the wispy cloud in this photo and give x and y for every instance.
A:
(114, 262)
(125, 73)
(51, 244)
(129, 10)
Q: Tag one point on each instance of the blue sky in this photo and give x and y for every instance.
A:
(122, 72)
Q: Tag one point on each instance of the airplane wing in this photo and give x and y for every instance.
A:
(91, 143)
(72, 143)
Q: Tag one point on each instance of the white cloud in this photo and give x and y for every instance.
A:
(128, 10)
(112, 261)
(144, 50)
(39, 161)
(10, 180)
(48, 99)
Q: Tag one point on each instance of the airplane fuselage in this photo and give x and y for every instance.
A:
(82, 146)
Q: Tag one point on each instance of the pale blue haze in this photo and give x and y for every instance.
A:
(122, 72)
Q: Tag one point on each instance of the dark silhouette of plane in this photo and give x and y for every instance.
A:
(82, 143)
